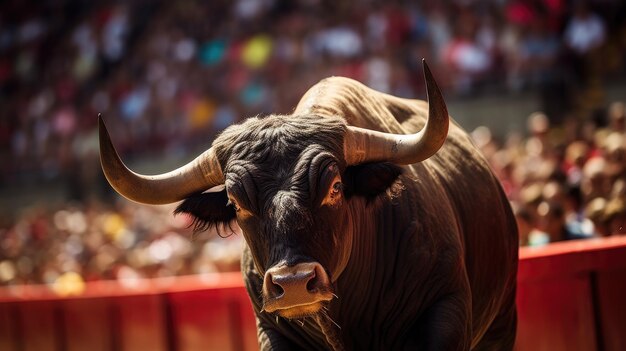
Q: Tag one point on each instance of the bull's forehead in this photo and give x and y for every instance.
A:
(269, 160)
(280, 186)
(279, 140)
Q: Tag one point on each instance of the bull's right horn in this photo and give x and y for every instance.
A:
(364, 145)
(201, 174)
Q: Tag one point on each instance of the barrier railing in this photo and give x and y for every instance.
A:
(571, 296)
(184, 313)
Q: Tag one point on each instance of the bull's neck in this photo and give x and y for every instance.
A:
(363, 223)
(372, 226)
(383, 235)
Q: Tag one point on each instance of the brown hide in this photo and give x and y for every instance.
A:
(471, 188)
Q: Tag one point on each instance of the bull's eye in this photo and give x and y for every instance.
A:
(234, 204)
(336, 189)
(334, 193)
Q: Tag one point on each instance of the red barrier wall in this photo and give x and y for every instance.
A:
(571, 296)
(186, 313)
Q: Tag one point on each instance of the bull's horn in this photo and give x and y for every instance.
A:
(364, 145)
(198, 175)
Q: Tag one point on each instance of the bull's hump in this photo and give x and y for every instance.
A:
(362, 106)
(322, 99)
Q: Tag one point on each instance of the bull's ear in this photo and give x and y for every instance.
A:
(370, 179)
(208, 210)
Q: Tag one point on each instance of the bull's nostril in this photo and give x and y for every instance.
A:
(312, 285)
(315, 282)
(278, 290)
(295, 283)
(275, 290)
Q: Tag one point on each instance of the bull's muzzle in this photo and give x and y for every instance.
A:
(296, 291)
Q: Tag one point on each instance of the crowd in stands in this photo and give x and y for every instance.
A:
(168, 75)
(564, 183)
(96, 241)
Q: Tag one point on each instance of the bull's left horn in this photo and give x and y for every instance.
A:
(364, 145)
(202, 173)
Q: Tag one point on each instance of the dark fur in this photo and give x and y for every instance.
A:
(213, 210)
(371, 179)
(421, 257)
(209, 211)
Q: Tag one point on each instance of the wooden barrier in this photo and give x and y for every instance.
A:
(571, 296)
(184, 313)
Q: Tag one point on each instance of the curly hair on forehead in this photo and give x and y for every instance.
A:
(260, 139)
(265, 147)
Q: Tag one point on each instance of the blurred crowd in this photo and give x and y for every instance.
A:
(78, 243)
(168, 75)
(564, 183)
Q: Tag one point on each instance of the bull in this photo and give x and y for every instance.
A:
(370, 222)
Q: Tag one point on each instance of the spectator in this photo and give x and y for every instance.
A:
(585, 32)
(594, 182)
(552, 220)
(584, 36)
(615, 215)
(538, 52)
(528, 234)
(468, 60)
(595, 212)
(617, 116)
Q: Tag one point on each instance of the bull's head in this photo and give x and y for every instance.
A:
(294, 185)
